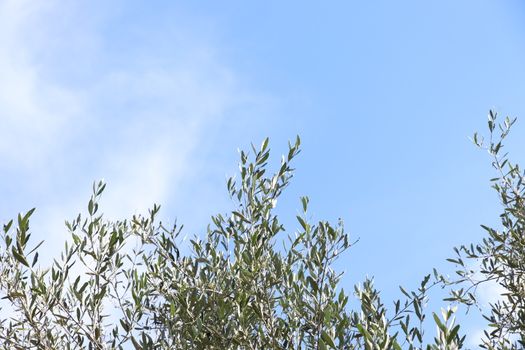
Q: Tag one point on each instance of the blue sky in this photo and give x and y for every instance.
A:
(156, 99)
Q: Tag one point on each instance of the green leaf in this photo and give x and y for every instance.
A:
(240, 216)
(302, 222)
(28, 215)
(439, 323)
(304, 201)
(83, 288)
(91, 207)
(35, 259)
(15, 295)
(452, 334)
(101, 188)
(19, 257)
(125, 325)
(8, 226)
(364, 332)
(264, 144)
(404, 292)
(328, 339)
(313, 284)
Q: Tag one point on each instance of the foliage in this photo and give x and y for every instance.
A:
(500, 257)
(246, 284)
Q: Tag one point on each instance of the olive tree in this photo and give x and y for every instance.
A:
(246, 283)
(500, 257)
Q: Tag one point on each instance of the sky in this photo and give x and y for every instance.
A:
(157, 98)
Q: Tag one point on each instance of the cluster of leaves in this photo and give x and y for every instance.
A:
(500, 257)
(122, 284)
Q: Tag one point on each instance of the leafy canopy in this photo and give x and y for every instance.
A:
(247, 283)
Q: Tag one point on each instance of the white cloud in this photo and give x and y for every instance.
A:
(490, 292)
(32, 111)
(487, 293)
(135, 124)
(475, 337)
